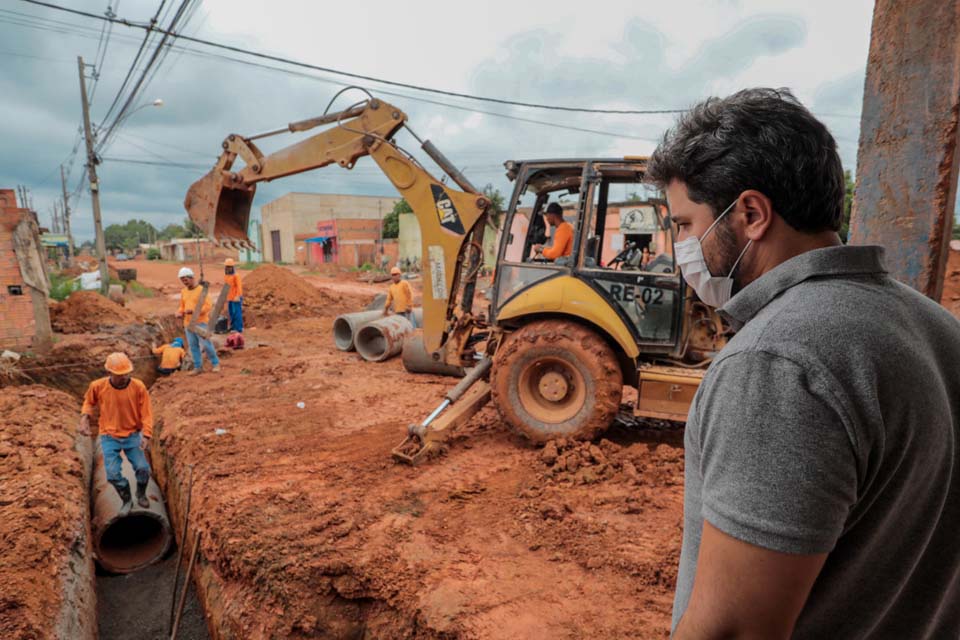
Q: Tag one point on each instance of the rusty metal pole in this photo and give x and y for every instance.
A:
(908, 157)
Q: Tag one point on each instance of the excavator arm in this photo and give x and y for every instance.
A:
(452, 221)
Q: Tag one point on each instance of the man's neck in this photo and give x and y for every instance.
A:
(772, 254)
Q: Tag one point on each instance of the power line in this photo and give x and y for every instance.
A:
(135, 91)
(356, 76)
(133, 65)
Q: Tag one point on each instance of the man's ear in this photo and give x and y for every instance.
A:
(758, 212)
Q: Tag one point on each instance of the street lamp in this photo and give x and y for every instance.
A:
(156, 103)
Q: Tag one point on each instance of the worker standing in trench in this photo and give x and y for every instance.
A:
(189, 296)
(400, 295)
(822, 488)
(126, 424)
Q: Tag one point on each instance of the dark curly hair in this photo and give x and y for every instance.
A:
(761, 139)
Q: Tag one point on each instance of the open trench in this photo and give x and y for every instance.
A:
(114, 581)
(141, 556)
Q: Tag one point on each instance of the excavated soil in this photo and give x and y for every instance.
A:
(311, 530)
(951, 285)
(271, 292)
(89, 312)
(45, 562)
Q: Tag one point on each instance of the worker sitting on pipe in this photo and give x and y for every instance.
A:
(400, 294)
(171, 356)
(126, 424)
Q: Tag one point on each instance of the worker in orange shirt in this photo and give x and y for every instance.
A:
(171, 356)
(189, 297)
(235, 296)
(126, 424)
(562, 235)
(400, 295)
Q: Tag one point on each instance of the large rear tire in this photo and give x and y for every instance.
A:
(556, 379)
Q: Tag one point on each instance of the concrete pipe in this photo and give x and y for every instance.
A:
(417, 360)
(345, 327)
(383, 338)
(123, 544)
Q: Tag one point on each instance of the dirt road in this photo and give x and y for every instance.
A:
(311, 529)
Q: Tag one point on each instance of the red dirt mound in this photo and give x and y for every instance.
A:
(88, 312)
(44, 536)
(275, 291)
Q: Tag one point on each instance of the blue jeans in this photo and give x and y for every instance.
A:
(236, 314)
(111, 448)
(195, 342)
(409, 316)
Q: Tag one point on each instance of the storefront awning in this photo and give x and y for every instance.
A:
(317, 240)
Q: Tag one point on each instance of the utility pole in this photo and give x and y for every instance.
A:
(94, 183)
(66, 217)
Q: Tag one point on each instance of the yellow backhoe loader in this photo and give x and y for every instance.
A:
(560, 338)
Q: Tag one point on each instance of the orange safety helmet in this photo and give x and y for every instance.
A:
(396, 271)
(229, 262)
(118, 364)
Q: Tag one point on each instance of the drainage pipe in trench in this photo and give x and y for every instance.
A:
(123, 544)
(417, 360)
(383, 338)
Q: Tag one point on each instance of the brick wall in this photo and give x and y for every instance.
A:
(17, 325)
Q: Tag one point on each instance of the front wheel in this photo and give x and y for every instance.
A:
(556, 378)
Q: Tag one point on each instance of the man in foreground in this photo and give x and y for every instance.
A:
(189, 297)
(126, 424)
(822, 488)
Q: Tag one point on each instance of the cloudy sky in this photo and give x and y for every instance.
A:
(603, 54)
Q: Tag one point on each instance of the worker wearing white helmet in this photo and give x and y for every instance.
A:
(189, 297)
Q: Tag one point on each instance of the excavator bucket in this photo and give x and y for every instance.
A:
(221, 209)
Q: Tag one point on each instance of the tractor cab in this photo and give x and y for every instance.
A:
(622, 250)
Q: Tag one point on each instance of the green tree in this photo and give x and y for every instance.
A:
(193, 231)
(847, 205)
(635, 197)
(391, 221)
(956, 228)
(496, 205)
(128, 235)
(172, 231)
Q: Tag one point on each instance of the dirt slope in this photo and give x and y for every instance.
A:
(45, 564)
(312, 531)
(88, 312)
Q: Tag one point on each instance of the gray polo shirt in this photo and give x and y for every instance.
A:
(829, 424)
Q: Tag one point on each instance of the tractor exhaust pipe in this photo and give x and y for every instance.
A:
(124, 544)
(382, 339)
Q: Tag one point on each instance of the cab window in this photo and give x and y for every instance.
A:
(628, 229)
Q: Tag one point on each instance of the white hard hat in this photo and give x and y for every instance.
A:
(185, 272)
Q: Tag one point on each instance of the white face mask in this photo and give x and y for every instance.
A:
(712, 290)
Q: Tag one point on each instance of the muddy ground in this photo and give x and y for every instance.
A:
(311, 530)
